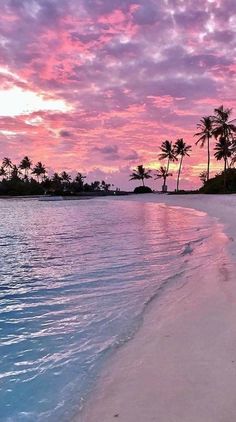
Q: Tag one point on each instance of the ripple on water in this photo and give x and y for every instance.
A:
(75, 279)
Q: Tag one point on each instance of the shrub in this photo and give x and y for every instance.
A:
(142, 189)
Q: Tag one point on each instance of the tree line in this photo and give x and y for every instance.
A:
(219, 127)
(29, 179)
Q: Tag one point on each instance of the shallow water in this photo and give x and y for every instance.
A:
(76, 277)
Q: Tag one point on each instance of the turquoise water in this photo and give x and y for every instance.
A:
(76, 277)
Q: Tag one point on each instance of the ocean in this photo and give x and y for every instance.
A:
(76, 280)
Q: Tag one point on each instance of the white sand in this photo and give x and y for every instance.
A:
(181, 365)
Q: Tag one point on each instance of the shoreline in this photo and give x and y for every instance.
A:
(179, 367)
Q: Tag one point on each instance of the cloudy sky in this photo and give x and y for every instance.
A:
(97, 85)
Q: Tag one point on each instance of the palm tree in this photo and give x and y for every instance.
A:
(56, 178)
(15, 173)
(223, 150)
(204, 135)
(25, 165)
(3, 172)
(79, 180)
(95, 186)
(65, 177)
(162, 173)
(222, 126)
(140, 174)
(7, 165)
(181, 149)
(167, 152)
(105, 186)
(39, 170)
(56, 181)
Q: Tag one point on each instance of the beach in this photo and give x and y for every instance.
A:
(180, 366)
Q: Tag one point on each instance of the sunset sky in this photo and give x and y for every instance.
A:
(96, 85)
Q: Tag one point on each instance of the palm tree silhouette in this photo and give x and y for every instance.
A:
(140, 174)
(7, 164)
(3, 172)
(162, 173)
(65, 177)
(56, 181)
(181, 149)
(223, 150)
(204, 135)
(25, 165)
(79, 181)
(39, 170)
(167, 152)
(15, 173)
(222, 126)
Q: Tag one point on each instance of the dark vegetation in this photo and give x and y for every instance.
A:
(27, 179)
(142, 189)
(219, 127)
(224, 182)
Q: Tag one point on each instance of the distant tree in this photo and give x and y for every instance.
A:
(182, 150)
(56, 182)
(39, 170)
(204, 134)
(203, 177)
(25, 165)
(7, 165)
(95, 186)
(65, 177)
(15, 173)
(79, 181)
(56, 178)
(162, 173)
(140, 174)
(105, 186)
(3, 172)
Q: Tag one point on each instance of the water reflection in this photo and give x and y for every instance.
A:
(74, 280)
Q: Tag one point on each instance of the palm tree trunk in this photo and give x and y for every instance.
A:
(180, 165)
(225, 168)
(167, 171)
(168, 165)
(164, 184)
(143, 182)
(208, 157)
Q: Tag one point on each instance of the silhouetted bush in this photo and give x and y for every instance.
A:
(142, 189)
(216, 184)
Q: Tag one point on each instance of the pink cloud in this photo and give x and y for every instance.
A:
(134, 72)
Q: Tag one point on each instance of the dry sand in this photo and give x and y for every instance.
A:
(181, 364)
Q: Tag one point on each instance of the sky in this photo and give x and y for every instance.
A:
(96, 85)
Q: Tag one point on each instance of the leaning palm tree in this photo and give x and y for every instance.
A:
(204, 134)
(167, 153)
(182, 150)
(162, 173)
(223, 150)
(7, 165)
(39, 170)
(140, 174)
(25, 165)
